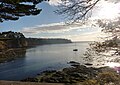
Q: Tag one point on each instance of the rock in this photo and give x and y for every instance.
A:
(73, 62)
(77, 74)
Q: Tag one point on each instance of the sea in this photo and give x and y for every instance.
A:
(42, 58)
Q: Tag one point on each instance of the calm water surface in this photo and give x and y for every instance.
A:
(41, 58)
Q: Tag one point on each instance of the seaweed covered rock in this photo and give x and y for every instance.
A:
(68, 75)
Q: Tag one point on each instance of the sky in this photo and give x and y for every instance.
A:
(50, 25)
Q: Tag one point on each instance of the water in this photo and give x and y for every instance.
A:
(41, 58)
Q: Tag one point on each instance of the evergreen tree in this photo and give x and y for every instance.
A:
(13, 9)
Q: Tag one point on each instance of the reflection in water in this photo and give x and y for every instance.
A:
(21, 52)
(10, 70)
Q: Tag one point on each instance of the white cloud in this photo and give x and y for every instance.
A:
(54, 2)
(51, 28)
(90, 36)
(116, 1)
(75, 32)
(106, 9)
(46, 28)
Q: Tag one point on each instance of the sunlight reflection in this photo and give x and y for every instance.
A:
(108, 10)
(113, 64)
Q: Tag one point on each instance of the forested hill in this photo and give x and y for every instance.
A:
(14, 44)
(42, 41)
(17, 40)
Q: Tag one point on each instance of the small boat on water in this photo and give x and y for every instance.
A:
(88, 64)
(75, 49)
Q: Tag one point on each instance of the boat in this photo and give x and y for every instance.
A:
(75, 49)
(88, 64)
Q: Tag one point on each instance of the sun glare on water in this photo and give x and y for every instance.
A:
(108, 10)
(113, 64)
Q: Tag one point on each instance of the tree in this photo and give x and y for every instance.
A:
(13, 9)
(110, 46)
(77, 10)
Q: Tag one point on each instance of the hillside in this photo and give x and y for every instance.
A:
(43, 41)
(14, 44)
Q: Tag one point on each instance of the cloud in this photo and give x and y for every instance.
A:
(75, 32)
(115, 1)
(54, 2)
(46, 28)
(90, 36)
(106, 9)
(50, 28)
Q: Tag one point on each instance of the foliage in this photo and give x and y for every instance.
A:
(90, 82)
(11, 35)
(110, 45)
(104, 78)
(2, 45)
(112, 28)
(13, 9)
(107, 77)
(76, 9)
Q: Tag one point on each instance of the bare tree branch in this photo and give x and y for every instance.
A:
(76, 10)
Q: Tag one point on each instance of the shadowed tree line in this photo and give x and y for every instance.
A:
(17, 39)
(12, 39)
(11, 35)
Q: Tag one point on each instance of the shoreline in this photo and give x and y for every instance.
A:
(75, 74)
(78, 74)
(7, 55)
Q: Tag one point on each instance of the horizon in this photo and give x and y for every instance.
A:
(53, 38)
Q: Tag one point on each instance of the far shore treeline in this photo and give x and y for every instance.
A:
(14, 44)
(18, 40)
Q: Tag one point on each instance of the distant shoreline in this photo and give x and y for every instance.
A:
(81, 41)
(10, 42)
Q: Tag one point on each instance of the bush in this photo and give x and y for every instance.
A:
(108, 77)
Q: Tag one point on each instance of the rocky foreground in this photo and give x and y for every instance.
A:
(79, 74)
